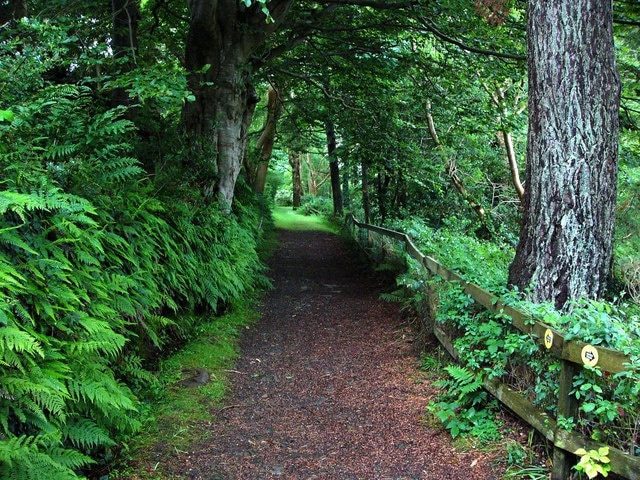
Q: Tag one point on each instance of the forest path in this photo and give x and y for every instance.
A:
(327, 385)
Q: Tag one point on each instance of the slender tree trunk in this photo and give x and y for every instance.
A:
(400, 193)
(334, 169)
(366, 197)
(452, 171)
(125, 45)
(566, 239)
(296, 177)
(346, 190)
(513, 163)
(312, 182)
(264, 148)
(382, 181)
(504, 136)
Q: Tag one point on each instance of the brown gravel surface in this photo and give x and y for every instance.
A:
(327, 386)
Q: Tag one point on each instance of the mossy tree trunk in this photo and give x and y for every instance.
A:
(566, 238)
(222, 36)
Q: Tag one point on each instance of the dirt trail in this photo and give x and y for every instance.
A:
(327, 386)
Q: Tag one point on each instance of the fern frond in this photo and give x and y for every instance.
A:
(86, 434)
(12, 338)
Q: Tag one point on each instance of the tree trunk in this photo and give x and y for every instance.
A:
(264, 147)
(346, 190)
(12, 10)
(366, 197)
(513, 163)
(334, 169)
(124, 41)
(566, 238)
(452, 170)
(296, 177)
(222, 36)
(382, 182)
(312, 181)
(504, 136)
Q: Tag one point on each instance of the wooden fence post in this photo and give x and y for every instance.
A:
(567, 408)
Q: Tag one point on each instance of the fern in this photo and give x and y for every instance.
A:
(465, 382)
(30, 458)
(15, 339)
(86, 434)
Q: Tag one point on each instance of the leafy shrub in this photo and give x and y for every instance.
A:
(490, 346)
(316, 205)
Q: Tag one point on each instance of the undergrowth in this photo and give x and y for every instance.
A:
(488, 346)
(102, 272)
(175, 415)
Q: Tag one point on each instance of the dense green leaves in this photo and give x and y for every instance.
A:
(101, 266)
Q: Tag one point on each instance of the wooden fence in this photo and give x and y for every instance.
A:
(573, 354)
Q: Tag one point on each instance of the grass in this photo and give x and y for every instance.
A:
(175, 419)
(287, 219)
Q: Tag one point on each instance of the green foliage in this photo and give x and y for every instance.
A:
(462, 405)
(93, 263)
(316, 205)
(594, 462)
(488, 344)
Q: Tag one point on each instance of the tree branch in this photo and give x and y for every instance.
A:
(481, 51)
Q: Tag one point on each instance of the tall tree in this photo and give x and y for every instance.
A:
(334, 168)
(258, 166)
(223, 35)
(566, 238)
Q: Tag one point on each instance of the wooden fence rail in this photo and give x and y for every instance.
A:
(572, 354)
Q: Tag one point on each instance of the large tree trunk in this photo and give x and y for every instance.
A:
(566, 238)
(222, 36)
(334, 169)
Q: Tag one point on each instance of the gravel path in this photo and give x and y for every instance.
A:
(327, 386)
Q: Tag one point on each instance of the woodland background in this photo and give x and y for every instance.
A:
(122, 228)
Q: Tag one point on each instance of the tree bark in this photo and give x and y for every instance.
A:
(296, 177)
(334, 168)
(12, 10)
(566, 238)
(264, 148)
(366, 197)
(222, 36)
(513, 163)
